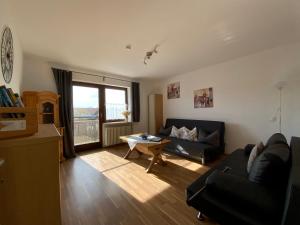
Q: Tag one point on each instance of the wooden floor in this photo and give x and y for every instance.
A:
(102, 188)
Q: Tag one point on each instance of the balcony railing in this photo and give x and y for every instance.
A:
(86, 122)
(86, 130)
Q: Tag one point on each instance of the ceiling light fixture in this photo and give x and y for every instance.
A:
(128, 47)
(150, 53)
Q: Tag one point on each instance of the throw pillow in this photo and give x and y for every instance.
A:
(201, 134)
(165, 131)
(276, 139)
(257, 149)
(248, 148)
(212, 139)
(271, 166)
(175, 132)
(190, 135)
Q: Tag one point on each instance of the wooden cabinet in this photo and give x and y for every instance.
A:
(155, 113)
(47, 104)
(29, 179)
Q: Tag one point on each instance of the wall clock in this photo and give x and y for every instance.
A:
(7, 54)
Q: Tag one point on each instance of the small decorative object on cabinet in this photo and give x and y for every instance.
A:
(47, 106)
(155, 113)
(29, 179)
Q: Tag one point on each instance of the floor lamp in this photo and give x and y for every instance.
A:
(280, 85)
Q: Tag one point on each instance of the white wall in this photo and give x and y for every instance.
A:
(6, 19)
(244, 95)
(38, 76)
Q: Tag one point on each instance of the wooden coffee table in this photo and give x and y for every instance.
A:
(150, 148)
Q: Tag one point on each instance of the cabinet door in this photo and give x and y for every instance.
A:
(158, 112)
(30, 190)
(151, 115)
(3, 208)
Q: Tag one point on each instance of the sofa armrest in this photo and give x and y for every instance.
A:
(240, 191)
(195, 195)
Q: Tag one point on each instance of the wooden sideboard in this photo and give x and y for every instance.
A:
(29, 179)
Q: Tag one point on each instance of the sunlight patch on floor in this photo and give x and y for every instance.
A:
(128, 175)
(189, 165)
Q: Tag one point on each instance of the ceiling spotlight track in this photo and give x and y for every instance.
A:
(150, 53)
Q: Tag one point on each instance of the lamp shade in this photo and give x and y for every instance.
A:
(280, 84)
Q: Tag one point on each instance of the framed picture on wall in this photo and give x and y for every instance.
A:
(203, 98)
(174, 90)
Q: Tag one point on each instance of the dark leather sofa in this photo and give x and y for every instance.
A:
(202, 152)
(226, 194)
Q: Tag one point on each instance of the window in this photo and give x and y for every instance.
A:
(115, 103)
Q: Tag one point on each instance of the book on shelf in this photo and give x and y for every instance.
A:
(5, 97)
(10, 99)
(19, 100)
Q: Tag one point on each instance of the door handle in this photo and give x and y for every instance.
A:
(2, 161)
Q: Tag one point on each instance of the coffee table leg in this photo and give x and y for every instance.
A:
(161, 161)
(140, 153)
(128, 153)
(151, 163)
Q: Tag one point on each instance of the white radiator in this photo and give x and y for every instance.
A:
(113, 131)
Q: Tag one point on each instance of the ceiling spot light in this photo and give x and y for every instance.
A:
(128, 47)
(150, 53)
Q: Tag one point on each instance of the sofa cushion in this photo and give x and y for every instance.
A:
(241, 192)
(236, 161)
(255, 152)
(175, 132)
(202, 133)
(271, 166)
(277, 138)
(190, 135)
(212, 139)
(190, 149)
(165, 131)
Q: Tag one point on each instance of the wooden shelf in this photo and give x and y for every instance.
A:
(30, 120)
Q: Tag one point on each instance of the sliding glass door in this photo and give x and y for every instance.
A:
(86, 109)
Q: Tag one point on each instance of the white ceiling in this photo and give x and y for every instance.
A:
(92, 34)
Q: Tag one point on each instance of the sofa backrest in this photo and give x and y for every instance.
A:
(272, 166)
(292, 202)
(206, 125)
